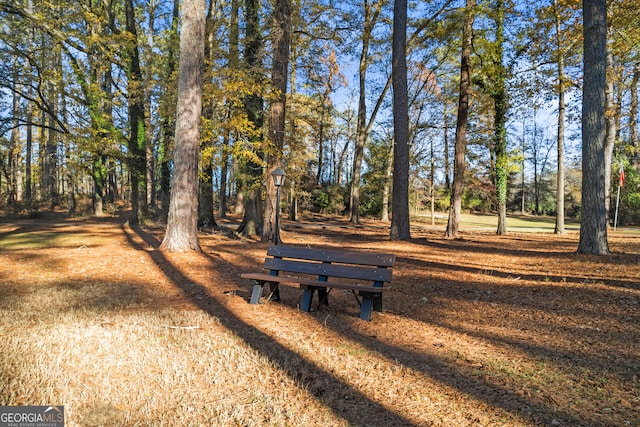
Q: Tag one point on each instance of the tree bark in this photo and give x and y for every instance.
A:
(501, 107)
(14, 142)
(559, 228)
(400, 223)
(137, 135)
(281, 35)
(593, 221)
(205, 202)
(633, 108)
(168, 124)
(234, 61)
(610, 139)
(388, 182)
(457, 188)
(148, 123)
(253, 221)
(371, 14)
(445, 123)
(182, 226)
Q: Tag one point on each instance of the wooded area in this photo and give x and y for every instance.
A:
(91, 104)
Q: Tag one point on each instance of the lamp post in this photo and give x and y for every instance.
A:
(278, 178)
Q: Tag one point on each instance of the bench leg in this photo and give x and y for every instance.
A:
(256, 293)
(365, 307)
(307, 297)
(323, 297)
(377, 303)
(275, 292)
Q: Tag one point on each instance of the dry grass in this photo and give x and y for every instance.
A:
(482, 331)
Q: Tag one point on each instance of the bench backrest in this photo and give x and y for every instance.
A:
(331, 263)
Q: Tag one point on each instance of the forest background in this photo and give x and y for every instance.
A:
(89, 95)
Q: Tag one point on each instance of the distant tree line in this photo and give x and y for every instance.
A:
(88, 107)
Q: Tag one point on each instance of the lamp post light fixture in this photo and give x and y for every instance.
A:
(278, 179)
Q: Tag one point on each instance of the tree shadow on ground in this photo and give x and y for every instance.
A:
(372, 413)
(299, 369)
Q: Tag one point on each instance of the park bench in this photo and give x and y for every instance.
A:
(321, 270)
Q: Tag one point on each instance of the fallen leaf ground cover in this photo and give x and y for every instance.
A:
(483, 330)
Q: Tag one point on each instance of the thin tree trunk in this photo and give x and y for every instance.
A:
(224, 172)
(168, 124)
(499, 96)
(137, 135)
(205, 204)
(148, 77)
(610, 120)
(386, 191)
(457, 189)
(14, 141)
(559, 228)
(445, 121)
(432, 193)
(524, 150)
(28, 197)
(69, 169)
(371, 14)
(234, 63)
(633, 108)
(51, 146)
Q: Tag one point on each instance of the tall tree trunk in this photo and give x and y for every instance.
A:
(593, 221)
(293, 129)
(182, 225)
(371, 13)
(148, 81)
(457, 189)
(224, 172)
(28, 197)
(445, 123)
(14, 141)
(68, 166)
(633, 108)
(205, 203)
(400, 223)
(42, 143)
(535, 148)
(559, 228)
(281, 39)
(137, 135)
(98, 174)
(499, 95)
(253, 221)
(323, 111)
(610, 139)
(388, 182)
(51, 146)
(432, 175)
(234, 62)
(168, 123)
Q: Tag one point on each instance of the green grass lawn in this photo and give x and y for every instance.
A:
(515, 223)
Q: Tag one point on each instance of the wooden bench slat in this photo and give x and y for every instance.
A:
(331, 270)
(332, 255)
(262, 277)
